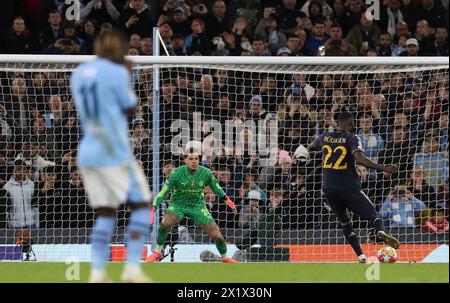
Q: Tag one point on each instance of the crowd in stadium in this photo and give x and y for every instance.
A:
(402, 117)
(232, 27)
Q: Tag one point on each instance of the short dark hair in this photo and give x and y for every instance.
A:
(336, 25)
(319, 21)
(346, 117)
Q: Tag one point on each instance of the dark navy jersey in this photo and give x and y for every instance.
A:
(339, 170)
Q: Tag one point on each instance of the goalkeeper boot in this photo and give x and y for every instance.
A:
(229, 260)
(98, 276)
(388, 239)
(155, 257)
(133, 273)
(362, 259)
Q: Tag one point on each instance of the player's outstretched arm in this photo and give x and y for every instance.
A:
(361, 159)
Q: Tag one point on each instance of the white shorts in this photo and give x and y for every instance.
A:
(112, 186)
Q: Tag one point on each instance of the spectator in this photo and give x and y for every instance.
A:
(267, 29)
(17, 106)
(140, 140)
(52, 31)
(178, 45)
(198, 41)
(317, 39)
(21, 192)
(135, 42)
(70, 133)
(438, 223)
(295, 45)
(351, 16)
(259, 48)
(283, 175)
(424, 37)
(54, 115)
(289, 16)
(401, 47)
(248, 218)
(68, 43)
(338, 8)
(222, 112)
(440, 45)
(430, 10)
(326, 10)
(369, 186)
(384, 47)
(306, 25)
(336, 41)
(146, 48)
(137, 19)
(105, 27)
(76, 210)
(412, 48)
(372, 142)
(325, 122)
(419, 187)
(443, 132)
(364, 35)
(88, 35)
(433, 163)
(50, 199)
(398, 151)
(180, 21)
(401, 208)
(19, 39)
(401, 29)
(217, 21)
(315, 11)
(39, 89)
(391, 15)
(416, 122)
(30, 155)
(100, 10)
(256, 109)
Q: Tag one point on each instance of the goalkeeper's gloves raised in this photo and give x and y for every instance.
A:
(152, 215)
(230, 203)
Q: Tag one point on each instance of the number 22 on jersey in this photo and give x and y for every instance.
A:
(338, 150)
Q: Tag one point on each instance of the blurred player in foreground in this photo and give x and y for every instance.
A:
(110, 173)
(187, 183)
(341, 184)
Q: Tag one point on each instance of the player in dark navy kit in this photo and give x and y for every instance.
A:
(341, 150)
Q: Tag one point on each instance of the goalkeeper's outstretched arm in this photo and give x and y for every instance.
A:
(168, 185)
(215, 187)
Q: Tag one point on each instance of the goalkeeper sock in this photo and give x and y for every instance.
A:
(101, 237)
(351, 237)
(161, 238)
(136, 234)
(222, 247)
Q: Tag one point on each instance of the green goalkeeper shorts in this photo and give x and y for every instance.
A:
(199, 214)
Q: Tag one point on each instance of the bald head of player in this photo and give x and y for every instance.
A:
(192, 160)
(346, 122)
(112, 46)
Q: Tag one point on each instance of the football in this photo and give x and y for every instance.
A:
(387, 255)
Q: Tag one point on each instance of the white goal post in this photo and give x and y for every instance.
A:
(251, 118)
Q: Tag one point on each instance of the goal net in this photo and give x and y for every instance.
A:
(251, 124)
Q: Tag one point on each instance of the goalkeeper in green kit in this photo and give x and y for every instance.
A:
(187, 183)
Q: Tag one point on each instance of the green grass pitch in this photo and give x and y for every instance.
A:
(248, 272)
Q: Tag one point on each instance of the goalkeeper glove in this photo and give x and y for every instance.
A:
(230, 203)
(152, 215)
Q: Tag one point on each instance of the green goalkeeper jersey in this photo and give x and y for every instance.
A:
(187, 187)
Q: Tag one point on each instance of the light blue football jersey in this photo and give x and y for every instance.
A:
(102, 94)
